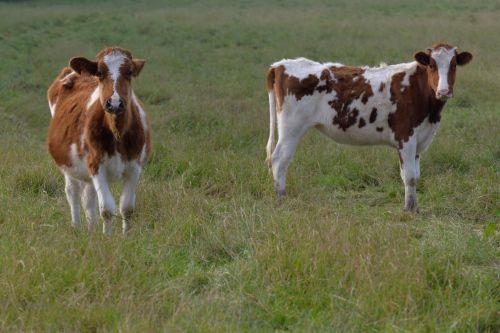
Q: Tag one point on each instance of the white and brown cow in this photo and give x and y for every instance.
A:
(396, 105)
(99, 133)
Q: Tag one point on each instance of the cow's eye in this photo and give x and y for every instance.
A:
(100, 75)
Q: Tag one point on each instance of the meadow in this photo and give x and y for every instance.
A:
(210, 250)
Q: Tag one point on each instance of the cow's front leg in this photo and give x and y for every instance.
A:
(105, 199)
(127, 199)
(409, 173)
(417, 166)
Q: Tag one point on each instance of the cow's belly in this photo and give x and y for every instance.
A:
(114, 167)
(356, 130)
(354, 136)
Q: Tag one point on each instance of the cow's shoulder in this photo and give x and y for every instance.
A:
(69, 83)
(57, 85)
(412, 98)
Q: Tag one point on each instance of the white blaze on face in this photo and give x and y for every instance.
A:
(443, 57)
(114, 61)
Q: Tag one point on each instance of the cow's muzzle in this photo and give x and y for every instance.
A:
(443, 95)
(114, 107)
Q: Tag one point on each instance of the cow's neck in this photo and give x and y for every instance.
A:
(433, 106)
(118, 125)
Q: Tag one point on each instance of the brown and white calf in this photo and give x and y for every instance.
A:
(99, 133)
(396, 105)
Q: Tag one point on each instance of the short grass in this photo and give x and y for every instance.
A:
(210, 251)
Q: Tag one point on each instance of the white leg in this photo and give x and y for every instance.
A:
(283, 153)
(127, 199)
(417, 166)
(401, 170)
(272, 127)
(409, 175)
(89, 203)
(105, 199)
(73, 191)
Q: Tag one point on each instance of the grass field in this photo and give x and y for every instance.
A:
(210, 250)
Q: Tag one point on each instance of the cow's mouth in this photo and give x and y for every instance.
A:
(443, 96)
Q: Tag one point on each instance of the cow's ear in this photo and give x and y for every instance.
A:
(81, 64)
(463, 58)
(138, 65)
(422, 58)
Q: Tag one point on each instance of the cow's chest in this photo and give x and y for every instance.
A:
(424, 134)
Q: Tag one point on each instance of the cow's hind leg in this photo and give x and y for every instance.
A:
(409, 168)
(289, 137)
(73, 191)
(127, 199)
(89, 203)
(272, 126)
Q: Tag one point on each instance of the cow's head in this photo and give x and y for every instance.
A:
(115, 68)
(441, 62)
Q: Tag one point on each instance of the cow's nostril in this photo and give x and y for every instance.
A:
(108, 104)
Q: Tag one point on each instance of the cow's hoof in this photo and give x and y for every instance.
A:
(411, 204)
(411, 209)
(125, 227)
(281, 196)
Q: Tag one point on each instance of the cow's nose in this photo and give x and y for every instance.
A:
(114, 106)
(443, 93)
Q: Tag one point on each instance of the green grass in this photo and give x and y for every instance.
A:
(210, 251)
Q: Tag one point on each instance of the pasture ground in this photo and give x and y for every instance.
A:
(209, 249)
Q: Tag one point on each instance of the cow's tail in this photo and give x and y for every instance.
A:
(272, 116)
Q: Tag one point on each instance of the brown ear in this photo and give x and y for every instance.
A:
(422, 58)
(138, 65)
(463, 58)
(81, 64)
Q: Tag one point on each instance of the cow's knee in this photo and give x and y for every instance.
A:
(410, 179)
(107, 209)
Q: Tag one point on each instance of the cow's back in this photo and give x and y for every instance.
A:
(69, 103)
